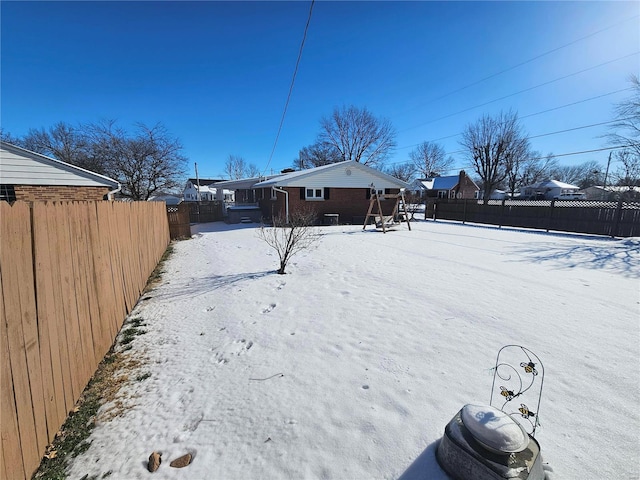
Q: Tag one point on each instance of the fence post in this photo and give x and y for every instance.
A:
(616, 218)
(501, 213)
(464, 211)
(553, 203)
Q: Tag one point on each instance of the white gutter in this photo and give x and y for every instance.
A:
(286, 202)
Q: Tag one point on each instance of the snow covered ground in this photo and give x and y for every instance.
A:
(351, 365)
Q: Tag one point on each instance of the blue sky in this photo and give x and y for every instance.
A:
(217, 74)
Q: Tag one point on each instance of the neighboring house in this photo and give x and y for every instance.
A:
(453, 186)
(30, 176)
(551, 190)
(612, 192)
(342, 188)
(205, 186)
(168, 198)
(241, 192)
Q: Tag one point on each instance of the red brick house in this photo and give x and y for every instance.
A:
(452, 186)
(339, 188)
(30, 176)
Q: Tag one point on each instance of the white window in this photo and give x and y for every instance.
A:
(314, 194)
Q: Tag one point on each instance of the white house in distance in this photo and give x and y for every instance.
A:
(208, 191)
(551, 190)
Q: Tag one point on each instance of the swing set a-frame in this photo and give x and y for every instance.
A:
(386, 222)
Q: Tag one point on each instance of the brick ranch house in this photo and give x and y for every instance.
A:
(30, 176)
(342, 188)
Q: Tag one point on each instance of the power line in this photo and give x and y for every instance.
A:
(575, 103)
(527, 61)
(543, 157)
(293, 79)
(534, 114)
(577, 128)
(523, 91)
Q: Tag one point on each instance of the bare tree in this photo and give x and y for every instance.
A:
(528, 168)
(145, 163)
(582, 175)
(9, 138)
(357, 135)
(402, 171)
(252, 171)
(316, 155)
(628, 171)
(289, 238)
(493, 144)
(236, 167)
(66, 143)
(537, 168)
(625, 131)
(430, 160)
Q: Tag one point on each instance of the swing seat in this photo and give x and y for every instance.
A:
(387, 221)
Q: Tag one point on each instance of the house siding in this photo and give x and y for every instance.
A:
(38, 193)
(22, 167)
(351, 204)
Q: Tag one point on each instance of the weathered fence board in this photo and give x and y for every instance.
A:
(69, 274)
(12, 456)
(13, 261)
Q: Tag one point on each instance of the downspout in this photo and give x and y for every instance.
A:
(113, 192)
(286, 202)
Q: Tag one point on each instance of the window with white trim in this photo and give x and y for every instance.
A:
(314, 194)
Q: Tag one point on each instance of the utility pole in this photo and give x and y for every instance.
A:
(606, 174)
(198, 180)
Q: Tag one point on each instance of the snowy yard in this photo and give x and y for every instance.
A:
(351, 365)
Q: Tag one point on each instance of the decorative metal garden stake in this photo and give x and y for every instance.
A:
(496, 441)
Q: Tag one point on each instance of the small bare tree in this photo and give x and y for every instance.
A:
(292, 237)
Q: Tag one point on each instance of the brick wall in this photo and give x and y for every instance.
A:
(466, 187)
(351, 204)
(38, 193)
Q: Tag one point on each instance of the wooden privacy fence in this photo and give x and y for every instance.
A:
(616, 219)
(203, 212)
(179, 222)
(69, 275)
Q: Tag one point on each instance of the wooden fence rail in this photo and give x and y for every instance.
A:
(615, 219)
(70, 272)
